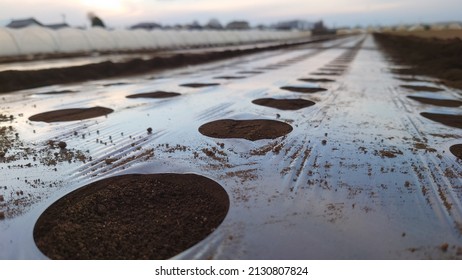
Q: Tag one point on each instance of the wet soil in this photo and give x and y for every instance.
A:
(314, 80)
(199, 85)
(284, 104)
(456, 150)
(304, 89)
(437, 102)
(247, 129)
(12, 80)
(422, 88)
(449, 120)
(132, 217)
(73, 114)
(155, 94)
(427, 56)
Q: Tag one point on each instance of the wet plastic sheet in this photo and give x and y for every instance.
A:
(362, 175)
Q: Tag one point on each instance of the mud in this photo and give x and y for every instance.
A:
(73, 114)
(155, 94)
(422, 88)
(314, 80)
(431, 57)
(456, 150)
(437, 102)
(303, 89)
(284, 104)
(199, 85)
(449, 120)
(247, 129)
(132, 217)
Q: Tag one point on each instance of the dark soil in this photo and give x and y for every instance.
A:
(326, 74)
(73, 114)
(284, 104)
(437, 102)
(247, 129)
(12, 80)
(304, 89)
(250, 72)
(155, 94)
(132, 217)
(432, 57)
(456, 150)
(199, 85)
(449, 120)
(230, 77)
(115, 84)
(59, 92)
(422, 88)
(314, 80)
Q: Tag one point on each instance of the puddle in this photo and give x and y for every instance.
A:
(230, 77)
(437, 102)
(304, 89)
(449, 120)
(284, 104)
(314, 80)
(155, 216)
(59, 92)
(456, 150)
(247, 129)
(199, 85)
(155, 94)
(73, 114)
(422, 88)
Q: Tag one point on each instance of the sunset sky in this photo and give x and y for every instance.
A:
(122, 13)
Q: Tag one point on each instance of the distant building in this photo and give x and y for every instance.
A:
(213, 24)
(295, 25)
(320, 29)
(238, 25)
(57, 25)
(146, 25)
(21, 23)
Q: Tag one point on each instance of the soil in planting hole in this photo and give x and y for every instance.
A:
(155, 94)
(422, 88)
(115, 84)
(58, 92)
(437, 102)
(230, 77)
(199, 85)
(247, 129)
(314, 80)
(73, 114)
(284, 104)
(304, 89)
(250, 72)
(456, 150)
(326, 74)
(135, 216)
(449, 120)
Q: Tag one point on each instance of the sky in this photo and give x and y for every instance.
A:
(335, 13)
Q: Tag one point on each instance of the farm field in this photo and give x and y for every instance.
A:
(327, 150)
